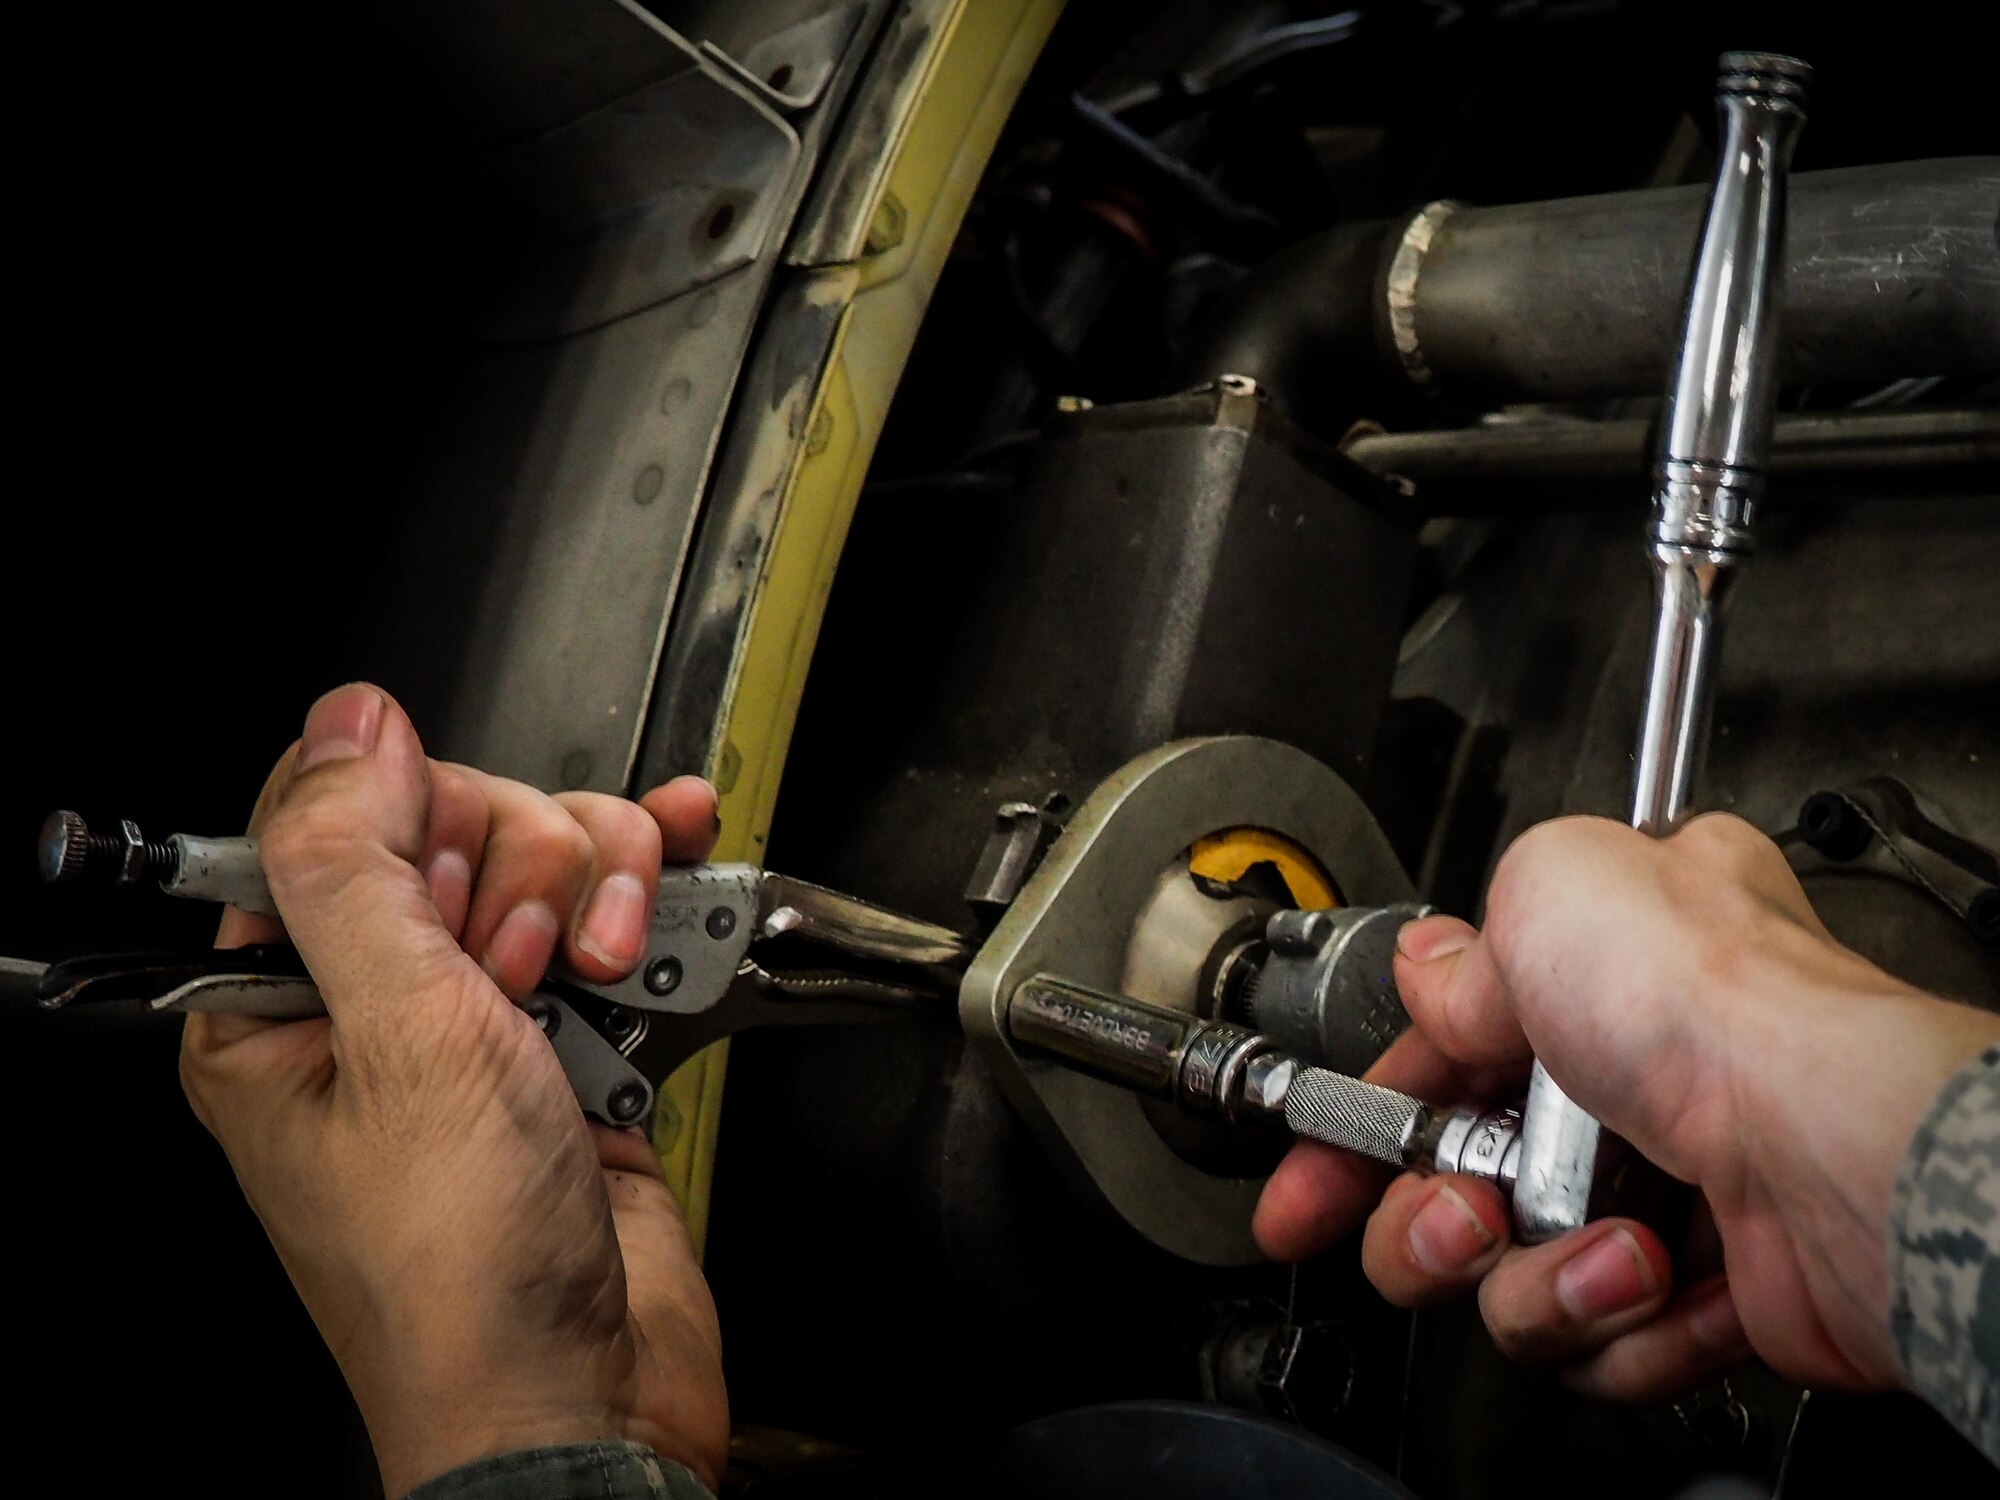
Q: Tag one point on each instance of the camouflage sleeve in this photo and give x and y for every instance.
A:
(571, 1471)
(1944, 1254)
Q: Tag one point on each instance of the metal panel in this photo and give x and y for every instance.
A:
(833, 227)
(669, 188)
(555, 552)
(550, 542)
(829, 360)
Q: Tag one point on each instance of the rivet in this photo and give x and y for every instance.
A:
(821, 431)
(627, 1103)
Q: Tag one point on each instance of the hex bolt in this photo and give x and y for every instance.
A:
(627, 1103)
(663, 975)
(69, 851)
(721, 922)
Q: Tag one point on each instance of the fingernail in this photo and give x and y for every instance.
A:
(342, 726)
(449, 879)
(613, 929)
(1446, 1235)
(521, 946)
(1430, 938)
(1610, 1277)
(1714, 1321)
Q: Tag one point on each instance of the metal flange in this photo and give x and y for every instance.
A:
(1074, 918)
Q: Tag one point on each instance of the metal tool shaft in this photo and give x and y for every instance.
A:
(1715, 437)
(1714, 446)
(1222, 1069)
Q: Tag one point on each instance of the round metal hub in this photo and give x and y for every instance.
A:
(1075, 918)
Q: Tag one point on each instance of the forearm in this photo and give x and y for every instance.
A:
(1944, 1254)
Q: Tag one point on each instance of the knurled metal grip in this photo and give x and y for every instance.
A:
(1359, 1116)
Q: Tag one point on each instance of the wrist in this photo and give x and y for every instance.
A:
(417, 1441)
(1833, 1064)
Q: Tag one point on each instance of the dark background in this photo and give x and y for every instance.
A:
(242, 254)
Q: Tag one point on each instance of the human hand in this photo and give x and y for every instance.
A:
(1682, 991)
(491, 1271)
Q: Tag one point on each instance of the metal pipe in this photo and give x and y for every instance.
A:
(1554, 464)
(1715, 439)
(1890, 271)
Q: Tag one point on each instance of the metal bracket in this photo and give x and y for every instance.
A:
(791, 68)
(703, 921)
(1074, 916)
(607, 1086)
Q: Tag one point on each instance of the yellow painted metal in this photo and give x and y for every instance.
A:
(1227, 855)
(977, 63)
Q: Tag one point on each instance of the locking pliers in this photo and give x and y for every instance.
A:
(730, 947)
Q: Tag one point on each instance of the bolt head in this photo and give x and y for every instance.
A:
(721, 923)
(1299, 932)
(1266, 1082)
(132, 844)
(627, 1103)
(63, 852)
(1307, 1373)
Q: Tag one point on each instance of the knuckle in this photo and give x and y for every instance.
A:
(197, 1079)
(1598, 1379)
(1545, 854)
(452, 788)
(192, 1085)
(614, 821)
(1519, 1325)
(550, 834)
(273, 789)
(1724, 838)
(1719, 858)
(303, 837)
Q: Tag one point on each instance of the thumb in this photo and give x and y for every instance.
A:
(339, 853)
(1454, 993)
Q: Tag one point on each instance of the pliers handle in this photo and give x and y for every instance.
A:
(730, 947)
